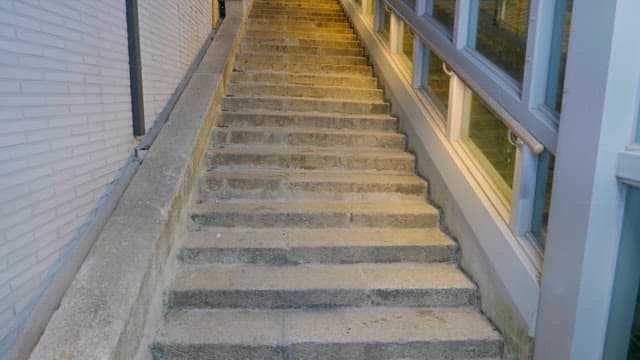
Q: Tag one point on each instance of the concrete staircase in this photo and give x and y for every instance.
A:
(311, 238)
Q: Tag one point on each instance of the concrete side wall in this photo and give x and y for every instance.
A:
(65, 124)
(172, 33)
(65, 131)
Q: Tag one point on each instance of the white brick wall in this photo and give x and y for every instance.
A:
(65, 120)
(168, 44)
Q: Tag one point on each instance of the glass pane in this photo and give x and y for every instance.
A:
(499, 32)
(435, 80)
(558, 58)
(546, 164)
(412, 3)
(487, 137)
(443, 11)
(407, 42)
(385, 30)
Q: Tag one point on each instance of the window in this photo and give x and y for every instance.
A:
(498, 31)
(385, 27)
(412, 3)
(434, 80)
(443, 11)
(408, 38)
(558, 58)
(487, 138)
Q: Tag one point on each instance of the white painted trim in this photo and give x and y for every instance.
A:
(629, 166)
(587, 203)
(512, 265)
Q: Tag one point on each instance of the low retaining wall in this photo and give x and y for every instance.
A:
(114, 302)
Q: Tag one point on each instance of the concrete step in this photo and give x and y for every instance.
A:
(315, 24)
(308, 35)
(372, 333)
(276, 78)
(299, 27)
(309, 159)
(245, 118)
(313, 214)
(346, 44)
(276, 16)
(282, 184)
(298, 104)
(320, 286)
(306, 50)
(321, 138)
(251, 59)
(317, 13)
(320, 246)
(306, 91)
(304, 68)
(298, 4)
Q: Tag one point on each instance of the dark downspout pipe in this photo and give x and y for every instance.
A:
(135, 68)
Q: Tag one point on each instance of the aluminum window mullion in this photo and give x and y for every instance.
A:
(524, 191)
(459, 107)
(462, 23)
(424, 7)
(419, 63)
(395, 34)
(534, 84)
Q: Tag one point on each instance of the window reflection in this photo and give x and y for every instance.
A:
(487, 138)
(443, 11)
(498, 31)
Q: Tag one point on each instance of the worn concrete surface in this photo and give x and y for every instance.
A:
(107, 308)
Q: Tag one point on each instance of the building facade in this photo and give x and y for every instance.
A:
(66, 124)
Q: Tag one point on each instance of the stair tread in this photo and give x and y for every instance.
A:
(319, 131)
(320, 276)
(308, 150)
(293, 175)
(316, 206)
(345, 325)
(311, 114)
(291, 238)
(302, 98)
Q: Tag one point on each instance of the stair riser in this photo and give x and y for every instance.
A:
(300, 28)
(310, 23)
(318, 13)
(306, 50)
(320, 298)
(298, 18)
(317, 220)
(256, 120)
(320, 255)
(303, 42)
(260, 59)
(304, 80)
(225, 137)
(350, 70)
(311, 35)
(454, 350)
(313, 91)
(299, 6)
(222, 161)
(239, 104)
(247, 188)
